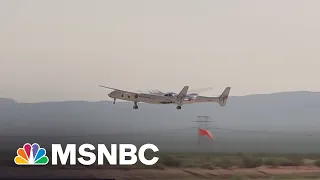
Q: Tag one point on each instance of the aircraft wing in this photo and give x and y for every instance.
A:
(109, 88)
(117, 89)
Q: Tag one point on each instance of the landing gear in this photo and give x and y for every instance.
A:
(135, 105)
(178, 107)
(114, 100)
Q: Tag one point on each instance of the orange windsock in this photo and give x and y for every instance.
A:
(204, 132)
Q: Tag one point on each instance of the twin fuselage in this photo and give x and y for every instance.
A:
(169, 98)
(159, 99)
(149, 98)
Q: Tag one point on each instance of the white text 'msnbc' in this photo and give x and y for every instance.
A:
(85, 150)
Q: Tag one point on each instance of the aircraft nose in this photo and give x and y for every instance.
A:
(110, 94)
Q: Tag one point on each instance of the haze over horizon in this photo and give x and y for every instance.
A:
(62, 50)
(8, 99)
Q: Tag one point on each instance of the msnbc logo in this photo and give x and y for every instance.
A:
(31, 155)
(85, 154)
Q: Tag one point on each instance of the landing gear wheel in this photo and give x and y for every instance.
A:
(178, 107)
(114, 101)
(135, 105)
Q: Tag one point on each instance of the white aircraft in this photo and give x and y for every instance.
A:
(167, 98)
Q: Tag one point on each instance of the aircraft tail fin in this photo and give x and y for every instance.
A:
(182, 95)
(224, 97)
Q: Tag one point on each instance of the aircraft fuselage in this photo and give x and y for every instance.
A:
(147, 98)
(169, 98)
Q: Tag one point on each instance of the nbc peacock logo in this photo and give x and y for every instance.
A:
(31, 155)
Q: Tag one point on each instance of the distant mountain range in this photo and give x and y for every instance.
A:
(285, 112)
(7, 101)
(278, 111)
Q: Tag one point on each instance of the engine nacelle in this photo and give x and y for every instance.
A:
(170, 94)
(192, 96)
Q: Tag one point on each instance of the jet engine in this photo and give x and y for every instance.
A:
(170, 94)
(192, 96)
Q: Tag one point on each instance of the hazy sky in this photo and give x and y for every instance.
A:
(63, 49)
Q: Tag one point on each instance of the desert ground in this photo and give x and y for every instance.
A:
(166, 174)
(189, 166)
